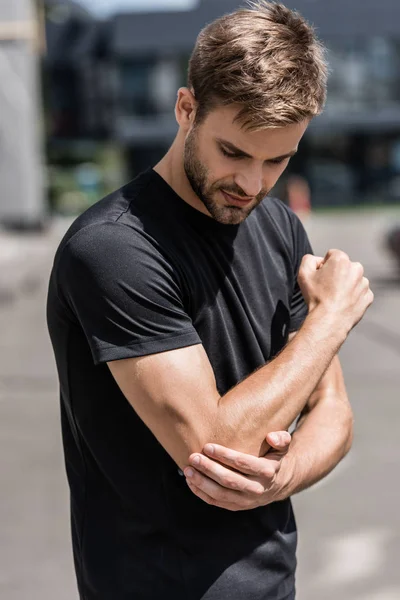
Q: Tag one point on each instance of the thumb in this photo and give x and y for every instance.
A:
(311, 263)
(279, 440)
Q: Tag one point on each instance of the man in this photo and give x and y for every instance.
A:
(172, 309)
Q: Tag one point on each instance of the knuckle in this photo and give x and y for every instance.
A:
(241, 463)
(335, 253)
(228, 459)
(258, 491)
(339, 256)
(343, 257)
(268, 472)
(228, 482)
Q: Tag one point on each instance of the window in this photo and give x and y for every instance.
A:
(365, 74)
(135, 96)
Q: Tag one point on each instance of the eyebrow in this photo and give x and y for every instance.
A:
(244, 154)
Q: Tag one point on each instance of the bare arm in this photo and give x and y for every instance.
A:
(237, 481)
(175, 393)
(323, 435)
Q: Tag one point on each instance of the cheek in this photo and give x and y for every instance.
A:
(218, 173)
(283, 167)
(274, 173)
(222, 171)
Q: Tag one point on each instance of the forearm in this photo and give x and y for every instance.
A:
(323, 437)
(321, 440)
(271, 398)
(175, 392)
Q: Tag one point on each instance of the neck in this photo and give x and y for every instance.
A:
(172, 170)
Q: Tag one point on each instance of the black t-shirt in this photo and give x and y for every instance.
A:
(143, 272)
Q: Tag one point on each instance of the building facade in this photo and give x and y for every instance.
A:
(127, 72)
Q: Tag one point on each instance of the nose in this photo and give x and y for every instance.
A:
(250, 181)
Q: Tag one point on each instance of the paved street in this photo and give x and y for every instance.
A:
(349, 524)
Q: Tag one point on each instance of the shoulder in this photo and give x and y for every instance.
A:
(105, 231)
(98, 238)
(106, 216)
(280, 214)
(109, 249)
(283, 220)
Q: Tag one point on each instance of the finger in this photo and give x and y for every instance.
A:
(223, 476)
(206, 498)
(280, 441)
(336, 254)
(311, 263)
(246, 464)
(365, 283)
(214, 490)
(358, 268)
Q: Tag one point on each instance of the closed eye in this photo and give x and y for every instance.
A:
(277, 161)
(231, 154)
(238, 156)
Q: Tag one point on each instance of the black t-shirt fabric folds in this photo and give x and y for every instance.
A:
(143, 272)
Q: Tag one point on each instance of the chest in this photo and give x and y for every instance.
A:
(238, 295)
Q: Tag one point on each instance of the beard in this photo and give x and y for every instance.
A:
(198, 176)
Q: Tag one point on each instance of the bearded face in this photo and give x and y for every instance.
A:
(226, 202)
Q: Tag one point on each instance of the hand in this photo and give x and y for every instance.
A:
(337, 284)
(252, 483)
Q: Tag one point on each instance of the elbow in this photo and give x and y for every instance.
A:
(348, 443)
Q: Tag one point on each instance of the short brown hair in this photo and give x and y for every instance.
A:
(265, 58)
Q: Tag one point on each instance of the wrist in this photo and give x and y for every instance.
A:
(330, 321)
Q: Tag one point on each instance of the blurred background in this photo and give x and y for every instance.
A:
(86, 102)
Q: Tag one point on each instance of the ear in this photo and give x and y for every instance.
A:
(185, 109)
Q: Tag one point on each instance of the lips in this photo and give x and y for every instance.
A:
(235, 200)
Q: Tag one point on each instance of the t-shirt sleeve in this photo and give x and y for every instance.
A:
(301, 246)
(124, 292)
